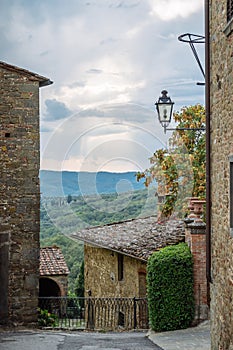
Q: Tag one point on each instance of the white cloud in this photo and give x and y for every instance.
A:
(102, 53)
(171, 9)
(95, 144)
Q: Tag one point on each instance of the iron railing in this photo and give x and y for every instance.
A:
(98, 313)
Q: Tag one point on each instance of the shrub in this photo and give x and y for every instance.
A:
(47, 319)
(170, 288)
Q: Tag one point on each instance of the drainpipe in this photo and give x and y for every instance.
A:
(207, 108)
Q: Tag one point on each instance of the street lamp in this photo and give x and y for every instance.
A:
(164, 108)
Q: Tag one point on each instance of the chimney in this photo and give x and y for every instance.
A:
(195, 237)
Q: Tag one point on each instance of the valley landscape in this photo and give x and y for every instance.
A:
(71, 201)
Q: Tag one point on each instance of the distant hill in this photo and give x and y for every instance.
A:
(63, 183)
(97, 199)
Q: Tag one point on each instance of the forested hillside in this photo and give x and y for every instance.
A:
(60, 216)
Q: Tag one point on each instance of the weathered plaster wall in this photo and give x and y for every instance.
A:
(20, 197)
(101, 273)
(221, 75)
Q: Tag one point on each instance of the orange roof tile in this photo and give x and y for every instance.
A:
(52, 262)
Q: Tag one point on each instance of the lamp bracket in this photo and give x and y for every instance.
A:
(174, 129)
(192, 39)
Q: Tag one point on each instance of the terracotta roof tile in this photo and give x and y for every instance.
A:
(138, 238)
(52, 262)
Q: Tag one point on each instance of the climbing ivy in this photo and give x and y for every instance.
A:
(180, 169)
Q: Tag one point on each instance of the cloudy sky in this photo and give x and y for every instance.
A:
(109, 61)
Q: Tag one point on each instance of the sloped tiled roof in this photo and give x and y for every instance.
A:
(52, 262)
(43, 81)
(138, 238)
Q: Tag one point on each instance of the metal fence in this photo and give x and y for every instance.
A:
(98, 313)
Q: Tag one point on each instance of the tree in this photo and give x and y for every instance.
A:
(69, 198)
(180, 169)
(79, 289)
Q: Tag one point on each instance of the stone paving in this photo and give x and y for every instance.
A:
(55, 340)
(196, 338)
(186, 339)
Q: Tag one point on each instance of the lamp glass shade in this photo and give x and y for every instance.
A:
(164, 113)
(164, 108)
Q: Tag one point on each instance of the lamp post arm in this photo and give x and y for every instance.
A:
(174, 129)
(185, 129)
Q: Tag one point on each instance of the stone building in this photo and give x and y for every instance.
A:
(220, 87)
(20, 194)
(53, 273)
(115, 257)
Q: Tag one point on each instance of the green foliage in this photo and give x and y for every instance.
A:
(47, 319)
(94, 210)
(170, 288)
(180, 170)
(79, 288)
(79, 285)
(84, 212)
(194, 143)
(69, 198)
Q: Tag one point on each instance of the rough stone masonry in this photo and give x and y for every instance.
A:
(19, 194)
(221, 152)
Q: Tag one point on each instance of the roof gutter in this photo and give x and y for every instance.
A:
(102, 246)
(45, 83)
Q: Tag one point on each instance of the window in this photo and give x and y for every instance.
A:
(231, 195)
(120, 267)
(229, 10)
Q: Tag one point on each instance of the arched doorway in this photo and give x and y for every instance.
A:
(48, 288)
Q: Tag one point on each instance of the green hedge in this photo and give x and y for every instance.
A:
(170, 288)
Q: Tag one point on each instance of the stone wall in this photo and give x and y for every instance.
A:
(221, 95)
(101, 273)
(19, 197)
